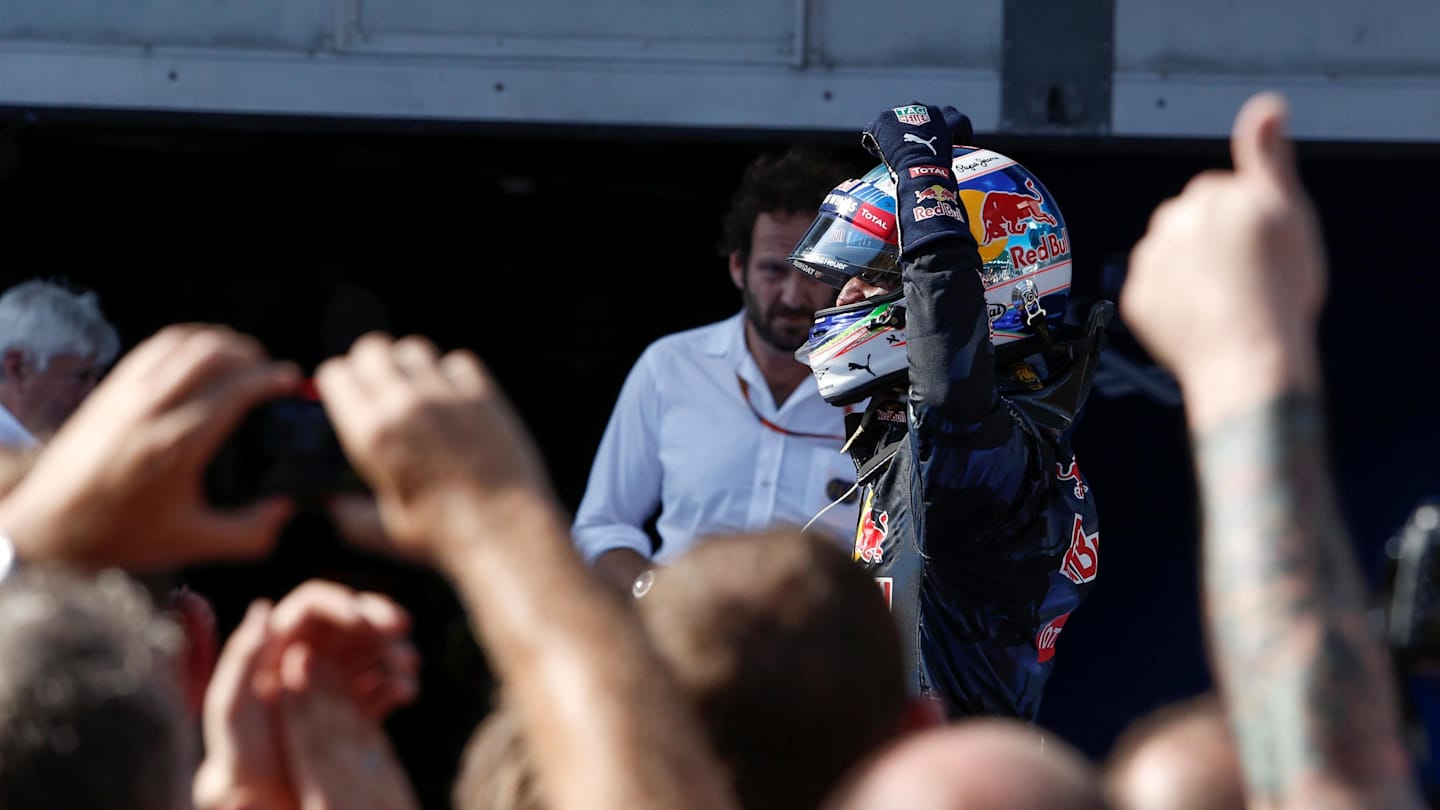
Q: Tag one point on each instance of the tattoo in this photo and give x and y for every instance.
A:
(1306, 683)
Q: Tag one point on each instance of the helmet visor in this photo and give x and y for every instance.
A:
(850, 238)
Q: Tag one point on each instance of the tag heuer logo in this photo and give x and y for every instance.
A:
(915, 115)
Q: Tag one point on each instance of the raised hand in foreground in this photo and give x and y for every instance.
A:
(457, 481)
(1225, 289)
(293, 714)
(122, 483)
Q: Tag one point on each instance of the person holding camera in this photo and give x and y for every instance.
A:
(457, 483)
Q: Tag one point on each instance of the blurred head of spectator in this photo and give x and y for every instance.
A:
(91, 710)
(790, 654)
(1180, 756)
(993, 764)
(54, 346)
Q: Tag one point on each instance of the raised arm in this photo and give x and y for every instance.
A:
(952, 372)
(1225, 289)
(122, 483)
(458, 481)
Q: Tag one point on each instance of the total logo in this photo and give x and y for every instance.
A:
(930, 171)
(878, 221)
(1046, 637)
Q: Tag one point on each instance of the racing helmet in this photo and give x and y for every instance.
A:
(1025, 265)
(855, 349)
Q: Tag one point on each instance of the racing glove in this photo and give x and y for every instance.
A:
(915, 142)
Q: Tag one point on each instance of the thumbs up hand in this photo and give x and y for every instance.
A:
(1226, 286)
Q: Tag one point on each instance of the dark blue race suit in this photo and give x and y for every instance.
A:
(974, 519)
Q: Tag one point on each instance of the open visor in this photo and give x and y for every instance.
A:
(850, 238)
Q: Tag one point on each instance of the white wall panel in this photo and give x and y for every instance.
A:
(1365, 71)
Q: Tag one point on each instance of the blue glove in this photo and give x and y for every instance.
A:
(961, 131)
(914, 141)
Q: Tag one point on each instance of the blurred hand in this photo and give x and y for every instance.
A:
(122, 483)
(196, 618)
(340, 758)
(427, 433)
(243, 764)
(1232, 271)
(357, 639)
(362, 636)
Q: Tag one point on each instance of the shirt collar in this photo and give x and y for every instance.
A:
(728, 341)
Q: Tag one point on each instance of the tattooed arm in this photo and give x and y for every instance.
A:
(1306, 683)
(1226, 289)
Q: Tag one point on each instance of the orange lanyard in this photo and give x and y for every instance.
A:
(745, 394)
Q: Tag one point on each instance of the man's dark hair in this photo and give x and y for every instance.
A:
(789, 652)
(796, 180)
(90, 709)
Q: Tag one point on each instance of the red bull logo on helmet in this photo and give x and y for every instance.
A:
(1005, 213)
(1052, 246)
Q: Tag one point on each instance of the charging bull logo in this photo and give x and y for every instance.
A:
(1005, 213)
(870, 538)
(937, 192)
(1072, 473)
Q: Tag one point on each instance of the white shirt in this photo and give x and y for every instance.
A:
(12, 433)
(682, 436)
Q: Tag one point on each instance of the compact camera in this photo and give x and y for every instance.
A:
(282, 447)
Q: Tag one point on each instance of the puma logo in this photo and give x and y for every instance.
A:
(865, 367)
(911, 137)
